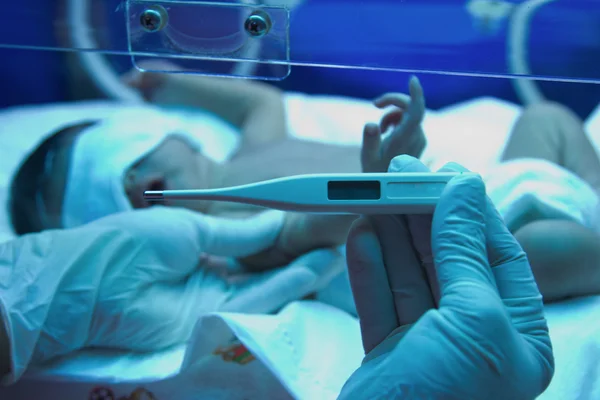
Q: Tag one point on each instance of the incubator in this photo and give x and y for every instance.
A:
(533, 39)
(486, 69)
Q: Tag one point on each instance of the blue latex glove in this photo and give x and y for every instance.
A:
(486, 339)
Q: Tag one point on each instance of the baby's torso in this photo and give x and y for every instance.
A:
(291, 157)
(285, 158)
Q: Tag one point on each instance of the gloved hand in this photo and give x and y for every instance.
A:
(135, 281)
(406, 135)
(471, 327)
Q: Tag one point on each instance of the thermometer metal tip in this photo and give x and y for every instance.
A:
(385, 193)
(154, 195)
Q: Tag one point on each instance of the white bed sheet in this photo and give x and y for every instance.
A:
(305, 352)
(483, 123)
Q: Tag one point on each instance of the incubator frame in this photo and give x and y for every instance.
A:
(271, 55)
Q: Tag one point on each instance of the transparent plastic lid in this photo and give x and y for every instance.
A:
(264, 39)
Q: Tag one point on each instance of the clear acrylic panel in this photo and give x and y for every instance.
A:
(263, 39)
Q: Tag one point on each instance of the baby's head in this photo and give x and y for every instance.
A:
(93, 169)
(37, 188)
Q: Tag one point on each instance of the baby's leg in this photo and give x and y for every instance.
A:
(552, 132)
(564, 256)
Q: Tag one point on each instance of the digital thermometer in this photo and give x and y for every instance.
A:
(384, 193)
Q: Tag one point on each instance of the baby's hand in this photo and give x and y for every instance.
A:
(301, 234)
(406, 137)
(149, 83)
(291, 243)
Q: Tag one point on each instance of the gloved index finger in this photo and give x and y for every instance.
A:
(459, 243)
(508, 262)
(518, 289)
(514, 278)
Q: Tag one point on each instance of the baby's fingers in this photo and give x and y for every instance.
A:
(399, 100)
(370, 155)
(393, 118)
(132, 78)
(415, 89)
(146, 83)
(417, 105)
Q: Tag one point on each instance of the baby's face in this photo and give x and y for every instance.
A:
(174, 165)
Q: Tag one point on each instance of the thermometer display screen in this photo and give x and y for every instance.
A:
(354, 190)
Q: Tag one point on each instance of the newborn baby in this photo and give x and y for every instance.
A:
(86, 172)
(99, 168)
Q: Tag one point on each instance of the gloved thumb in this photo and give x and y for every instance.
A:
(459, 245)
(370, 155)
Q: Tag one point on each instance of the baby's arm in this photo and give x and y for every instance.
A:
(256, 108)
(564, 257)
(306, 232)
(301, 234)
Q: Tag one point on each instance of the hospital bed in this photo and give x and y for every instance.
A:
(309, 349)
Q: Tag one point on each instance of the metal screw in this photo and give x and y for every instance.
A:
(154, 19)
(258, 24)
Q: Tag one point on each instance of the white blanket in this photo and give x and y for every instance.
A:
(309, 349)
(305, 352)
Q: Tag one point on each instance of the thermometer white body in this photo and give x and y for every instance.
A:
(385, 193)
